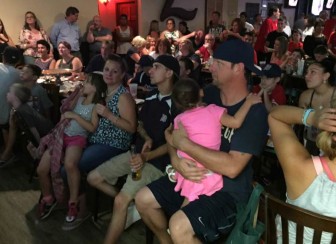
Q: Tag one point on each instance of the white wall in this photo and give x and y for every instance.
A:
(47, 11)
(152, 11)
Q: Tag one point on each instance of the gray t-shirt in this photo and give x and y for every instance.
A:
(8, 76)
(35, 119)
(41, 101)
(85, 111)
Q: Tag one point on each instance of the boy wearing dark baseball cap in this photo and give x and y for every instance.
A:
(269, 88)
(142, 75)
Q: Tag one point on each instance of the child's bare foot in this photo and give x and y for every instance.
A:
(32, 150)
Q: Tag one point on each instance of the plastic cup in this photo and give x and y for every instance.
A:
(133, 89)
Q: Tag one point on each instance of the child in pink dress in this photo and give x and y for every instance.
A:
(203, 125)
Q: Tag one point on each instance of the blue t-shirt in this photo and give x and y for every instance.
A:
(249, 138)
(156, 115)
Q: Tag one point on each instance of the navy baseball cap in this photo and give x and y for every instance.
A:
(146, 61)
(237, 51)
(169, 62)
(271, 71)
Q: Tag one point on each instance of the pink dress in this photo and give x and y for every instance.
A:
(204, 128)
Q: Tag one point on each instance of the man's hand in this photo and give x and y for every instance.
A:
(189, 170)
(147, 146)
(137, 161)
(179, 136)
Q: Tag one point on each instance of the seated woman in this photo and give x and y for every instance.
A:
(320, 93)
(5, 39)
(29, 35)
(279, 55)
(187, 50)
(162, 47)
(44, 61)
(237, 31)
(172, 35)
(310, 181)
(68, 61)
(115, 129)
(315, 39)
(135, 52)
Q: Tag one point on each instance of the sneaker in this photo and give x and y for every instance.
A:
(75, 223)
(45, 209)
(4, 163)
(72, 212)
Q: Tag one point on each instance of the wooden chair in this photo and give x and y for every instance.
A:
(302, 218)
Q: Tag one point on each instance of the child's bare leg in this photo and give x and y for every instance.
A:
(72, 157)
(43, 172)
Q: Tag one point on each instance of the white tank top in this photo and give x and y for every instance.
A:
(122, 47)
(319, 197)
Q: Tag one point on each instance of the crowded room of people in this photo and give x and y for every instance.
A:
(99, 102)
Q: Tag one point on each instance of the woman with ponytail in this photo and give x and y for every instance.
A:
(310, 180)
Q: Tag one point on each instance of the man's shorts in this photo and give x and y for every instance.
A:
(210, 216)
(119, 166)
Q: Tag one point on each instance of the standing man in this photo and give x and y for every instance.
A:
(96, 35)
(269, 25)
(124, 36)
(204, 219)
(248, 26)
(67, 30)
(215, 27)
(151, 156)
(97, 62)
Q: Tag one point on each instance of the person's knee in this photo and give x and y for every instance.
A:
(94, 178)
(142, 199)
(180, 227)
(70, 166)
(121, 201)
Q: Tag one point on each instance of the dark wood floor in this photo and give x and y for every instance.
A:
(18, 224)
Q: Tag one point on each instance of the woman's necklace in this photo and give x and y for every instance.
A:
(112, 92)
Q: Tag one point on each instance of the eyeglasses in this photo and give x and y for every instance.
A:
(30, 17)
(211, 39)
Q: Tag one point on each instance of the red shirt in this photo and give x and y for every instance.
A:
(205, 53)
(332, 42)
(329, 26)
(293, 45)
(277, 96)
(255, 57)
(267, 26)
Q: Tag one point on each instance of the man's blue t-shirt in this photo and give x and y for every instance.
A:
(249, 138)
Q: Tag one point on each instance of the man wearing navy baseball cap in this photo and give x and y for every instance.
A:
(194, 223)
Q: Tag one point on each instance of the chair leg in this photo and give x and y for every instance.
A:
(33, 172)
(149, 236)
(96, 205)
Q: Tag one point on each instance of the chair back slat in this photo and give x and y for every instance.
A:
(299, 234)
(333, 240)
(301, 217)
(317, 237)
(284, 225)
(272, 229)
